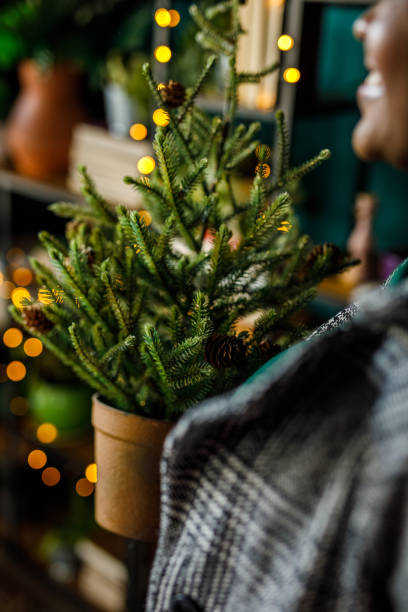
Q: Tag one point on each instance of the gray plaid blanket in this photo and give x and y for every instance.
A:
(291, 493)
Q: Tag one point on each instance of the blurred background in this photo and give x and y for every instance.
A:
(71, 92)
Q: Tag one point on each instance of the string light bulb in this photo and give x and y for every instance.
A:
(138, 131)
(22, 276)
(175, 18)
(33, 347)
(37, 459)
(91, 472)
(291, 75)
(18, 295)
(146, 164)
(51, 476)
(12, 337)
(47, 433)
(285, 42)
(16, 371)
(162, 53)
(161, 117)
(84, 487)
(162, 17)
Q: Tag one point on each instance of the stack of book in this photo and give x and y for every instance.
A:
(263, 20)
(108, 159)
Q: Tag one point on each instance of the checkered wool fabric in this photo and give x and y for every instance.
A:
(291, 493)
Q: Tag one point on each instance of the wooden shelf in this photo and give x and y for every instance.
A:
(38, 190)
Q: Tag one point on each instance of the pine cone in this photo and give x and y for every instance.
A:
(35, 318)
(225, 351)
(268, 349)
(173, 94)
(337, 258)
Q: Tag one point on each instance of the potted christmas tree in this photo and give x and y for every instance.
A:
(149, 314)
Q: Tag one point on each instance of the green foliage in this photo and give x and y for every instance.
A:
(82, 30)
(151, 314)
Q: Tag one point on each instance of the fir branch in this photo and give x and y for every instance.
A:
(75, 289)
(147, 188)
(301, 171)
(218, 9)
(166, 171)
(50, 242)
(126, 344)
(98, 338)
(283, 147)
(111, 389)
(68, 360)
(193, 176)
(72, 211)
(242, 156)
(220, 256)
(209, 32)
(102, 210)
(153, 348)
(190, 99)
(266, 322)
(255, 77)
(121, 314)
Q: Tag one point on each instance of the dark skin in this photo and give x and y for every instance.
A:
(382, 132)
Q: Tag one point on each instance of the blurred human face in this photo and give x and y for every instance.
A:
(382, 132)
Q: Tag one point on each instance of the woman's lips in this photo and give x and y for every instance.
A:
(372, 88)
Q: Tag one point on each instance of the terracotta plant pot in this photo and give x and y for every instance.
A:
(39, 129)
(127, 454)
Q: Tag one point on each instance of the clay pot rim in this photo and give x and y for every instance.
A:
(128, 426)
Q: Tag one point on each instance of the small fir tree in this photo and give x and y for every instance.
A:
(148, 315)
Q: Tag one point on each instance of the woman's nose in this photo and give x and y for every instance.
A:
(361, 24)
(360, 27)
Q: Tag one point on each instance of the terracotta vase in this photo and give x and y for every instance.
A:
(128, 448)
(39, 128)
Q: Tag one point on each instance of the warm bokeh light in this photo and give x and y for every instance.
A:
(175, 18)
(146, 164)
(285, 42)
(291, 75)
(1, 277)
(275, 3)
(160, 86)
(12, 337)
(5, 290)
(15, 256)
(84, 488)
(263, 170)
(33, 347)
(91, 472)
(162, 53)
(37, 459)
(146, 216)
(51, 476)
(19, 406)
(161, 117)
(16, 371)
(45, 296)
(22, 276)
(265, 100)
(162, 17)
(18, 295)
(47, 433)
(138, 131)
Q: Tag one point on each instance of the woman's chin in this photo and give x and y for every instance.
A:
(365, 141)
